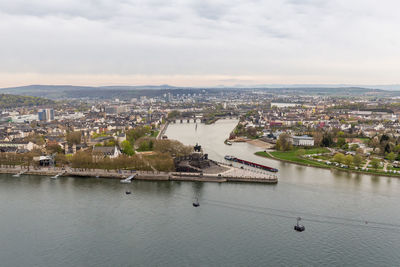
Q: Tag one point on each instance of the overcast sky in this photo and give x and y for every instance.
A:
(199, 42)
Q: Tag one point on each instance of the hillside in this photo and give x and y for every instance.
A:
(12, 101)
(127, 92)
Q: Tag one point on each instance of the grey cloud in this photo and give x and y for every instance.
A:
(277, 37)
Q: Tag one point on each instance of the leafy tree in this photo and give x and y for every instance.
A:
(127, 148)
(391, 156)
(375, 163)
(354, 147)
(284, 143)
(397, 148)
(348, 159)
(110, 142)
(145, 144)
(136, 133)
(357, 160)
(327, 140)
(340, 142)
(339, 157)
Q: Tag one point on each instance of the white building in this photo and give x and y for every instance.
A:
(302, 140)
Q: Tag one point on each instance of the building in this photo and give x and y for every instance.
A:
(302, 140)
(113, 110)
(100, 152)
(23, 145)
(46, 114)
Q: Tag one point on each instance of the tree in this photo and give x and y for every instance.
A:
(284, 143)
(348, 160)
(374, 143)
(340, 142)
(172, 147)
(74, 138)
(136, 133)
(61, 159)
(318, 136)
(173, 114)
(357, 160)
(391, 156)
(354, 147)
(54, 148)
(375, 163)
(110, 142)
(327, 140)
(251, 132)
(127, 148)
(339, 158)
(397, 148)
(36, 139)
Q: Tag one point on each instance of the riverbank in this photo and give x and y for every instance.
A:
(292, 158)
(261, 144)
(231, 174)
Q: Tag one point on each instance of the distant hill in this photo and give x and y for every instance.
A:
(126, 92)
(12, 101)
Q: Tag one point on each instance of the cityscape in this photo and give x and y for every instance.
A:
(199, 133)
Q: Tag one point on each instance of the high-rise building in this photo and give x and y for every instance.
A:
(46, 114)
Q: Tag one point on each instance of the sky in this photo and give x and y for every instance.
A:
(199, 42)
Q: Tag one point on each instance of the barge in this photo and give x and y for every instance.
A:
(251, 164)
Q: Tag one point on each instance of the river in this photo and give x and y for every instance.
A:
(92, 222)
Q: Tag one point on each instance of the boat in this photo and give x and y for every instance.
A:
(228, 143)
(298, 227)
(196, 204)
(251, 164)
(128, 192)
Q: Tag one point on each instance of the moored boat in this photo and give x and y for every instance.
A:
(251, 164)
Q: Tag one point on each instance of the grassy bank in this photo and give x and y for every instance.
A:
(292, 157)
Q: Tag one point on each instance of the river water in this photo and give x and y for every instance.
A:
(92, 222)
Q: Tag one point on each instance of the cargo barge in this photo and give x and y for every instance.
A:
(251, 164)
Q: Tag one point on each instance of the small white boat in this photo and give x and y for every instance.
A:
(228, 143)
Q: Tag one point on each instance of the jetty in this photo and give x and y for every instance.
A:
(19, 174)
(58, 175)
(129, 179)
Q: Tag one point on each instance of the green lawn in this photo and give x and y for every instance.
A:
(291, 156)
